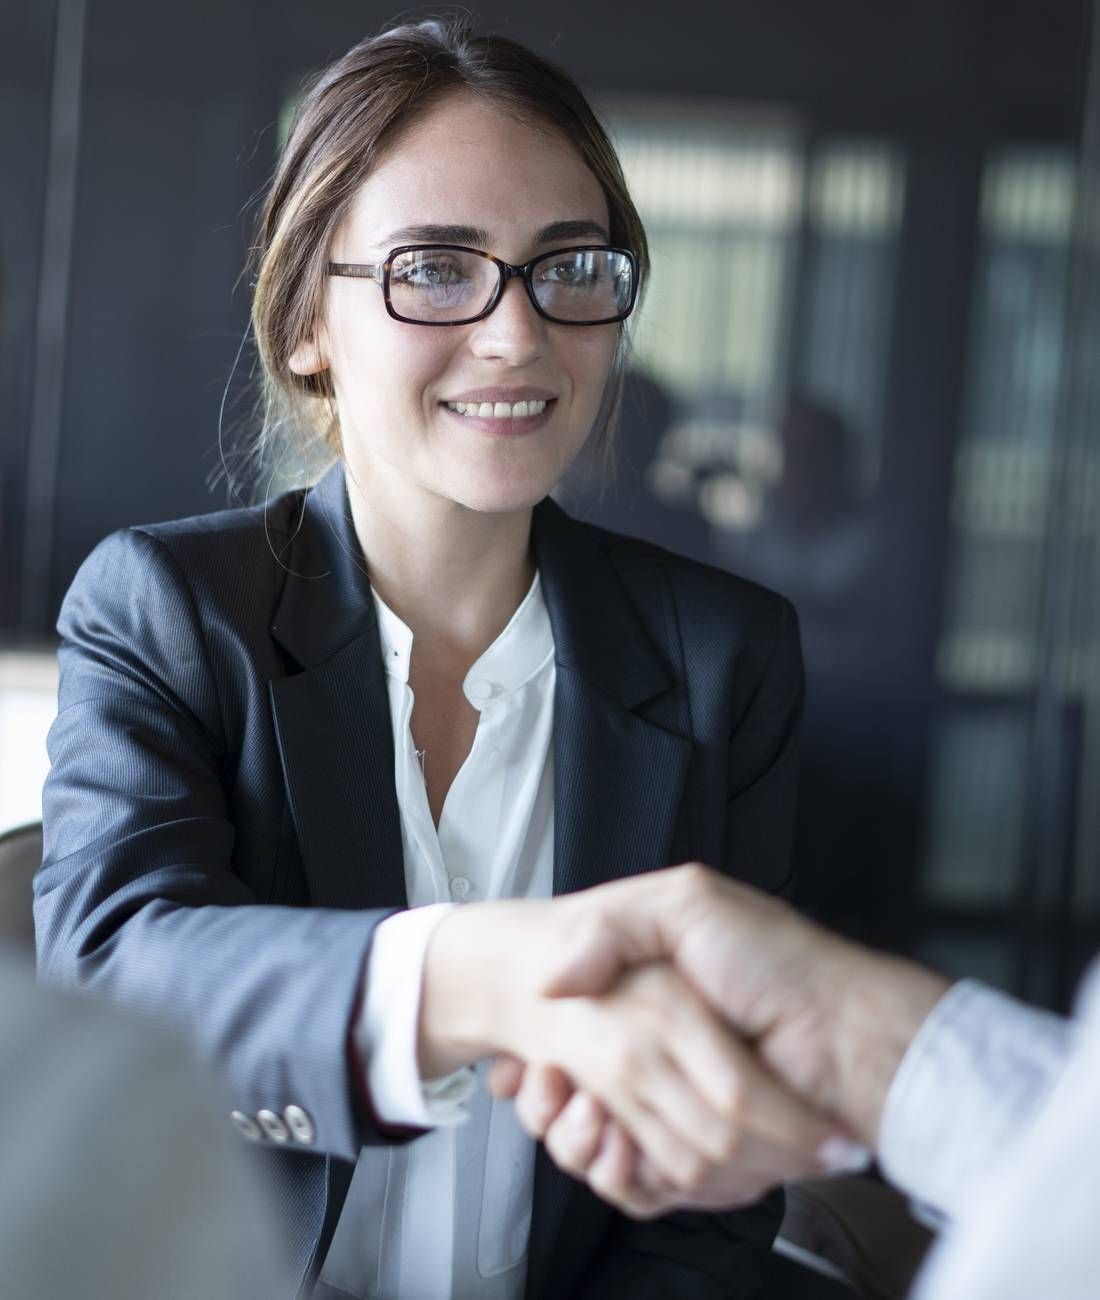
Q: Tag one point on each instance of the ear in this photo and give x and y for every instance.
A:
(308, 358)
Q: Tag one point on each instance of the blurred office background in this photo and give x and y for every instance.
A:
(863, 375)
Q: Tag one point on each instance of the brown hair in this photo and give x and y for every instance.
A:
(351, 113)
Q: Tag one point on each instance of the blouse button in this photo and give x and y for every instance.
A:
(460, 887)
(481, 689)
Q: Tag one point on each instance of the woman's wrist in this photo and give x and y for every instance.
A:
(452, 1026)
(472, 991)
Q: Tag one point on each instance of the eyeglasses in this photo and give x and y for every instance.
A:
(450, 284)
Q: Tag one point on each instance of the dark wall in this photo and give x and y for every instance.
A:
(26, 38)
(177, 105)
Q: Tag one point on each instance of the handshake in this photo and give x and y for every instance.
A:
(678, 1040)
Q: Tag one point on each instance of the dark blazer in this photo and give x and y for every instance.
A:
(223, 835)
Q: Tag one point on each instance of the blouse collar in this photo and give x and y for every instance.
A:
(523, 649)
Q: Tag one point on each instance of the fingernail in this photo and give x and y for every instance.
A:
(840, 1155)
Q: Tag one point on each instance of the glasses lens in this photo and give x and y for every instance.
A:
(584, 285)
(441, 285)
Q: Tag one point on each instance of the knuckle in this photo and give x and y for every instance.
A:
(591, 930)
(694, 878)
(534, 1112)
(563, 1152)
(528, 1120)
(609, 1185)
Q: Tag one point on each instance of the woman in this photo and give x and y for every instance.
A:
(420, 683)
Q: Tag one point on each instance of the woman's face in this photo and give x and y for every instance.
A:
(467, 164)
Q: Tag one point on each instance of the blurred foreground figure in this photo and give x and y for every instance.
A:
(116, 1182)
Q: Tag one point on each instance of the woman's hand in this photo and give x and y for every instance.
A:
(586, 1141)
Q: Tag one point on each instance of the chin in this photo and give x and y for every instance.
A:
(500, 494)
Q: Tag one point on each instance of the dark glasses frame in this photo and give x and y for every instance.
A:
(380, 273)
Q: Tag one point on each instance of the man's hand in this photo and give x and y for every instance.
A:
(828, 1020)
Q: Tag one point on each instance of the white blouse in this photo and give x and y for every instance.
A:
(449, 1214)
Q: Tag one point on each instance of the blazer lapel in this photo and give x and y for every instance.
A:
(332, 719)
(618, 785)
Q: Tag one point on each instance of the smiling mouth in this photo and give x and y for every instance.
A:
(498, 410)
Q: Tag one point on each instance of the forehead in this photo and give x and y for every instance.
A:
(470, 162)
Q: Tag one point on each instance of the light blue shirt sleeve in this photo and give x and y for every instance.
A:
(1027, 1226)
(970, 1084)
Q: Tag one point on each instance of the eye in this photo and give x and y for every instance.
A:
(429, 273)
(577, 269)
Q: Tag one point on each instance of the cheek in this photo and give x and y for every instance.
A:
(353, 348)
(591, 364)
(381, 364)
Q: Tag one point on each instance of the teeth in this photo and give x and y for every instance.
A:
(498, 410)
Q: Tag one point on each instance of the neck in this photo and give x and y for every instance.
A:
(454, 575)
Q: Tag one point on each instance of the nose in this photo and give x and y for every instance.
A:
(513, 331)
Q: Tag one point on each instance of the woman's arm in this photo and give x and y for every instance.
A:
(137, 897)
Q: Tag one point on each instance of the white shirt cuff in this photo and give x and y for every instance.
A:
(387, 1029)
(971, 1080)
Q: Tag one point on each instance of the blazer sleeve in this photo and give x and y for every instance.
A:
(137, 898)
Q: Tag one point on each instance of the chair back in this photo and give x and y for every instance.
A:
(20, 856)
(854, 1229)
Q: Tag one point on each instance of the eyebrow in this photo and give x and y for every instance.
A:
(476, 237)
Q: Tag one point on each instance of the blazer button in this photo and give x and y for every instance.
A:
(300, 1124)
(273, 1126)
(246, 1125)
